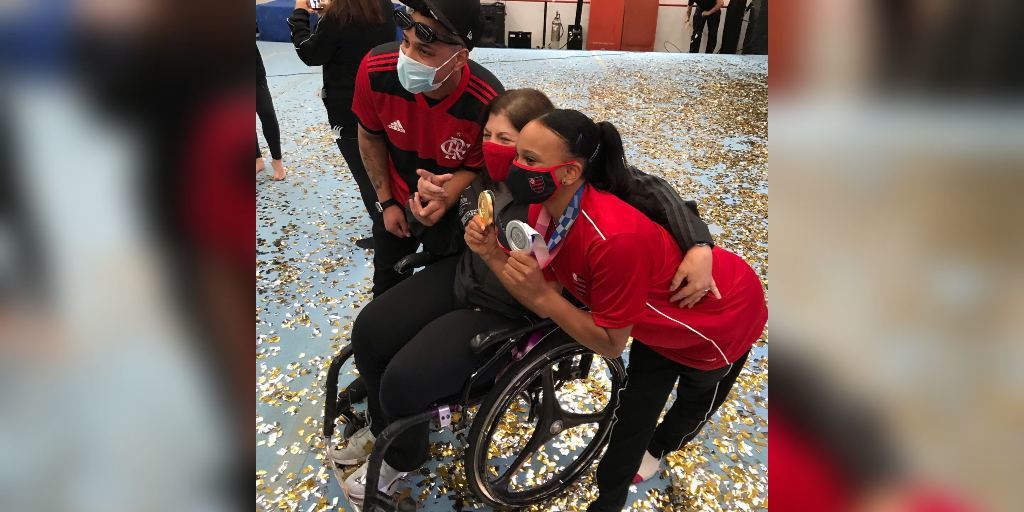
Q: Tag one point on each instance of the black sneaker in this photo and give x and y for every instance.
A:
(356, 390)
(365, 243)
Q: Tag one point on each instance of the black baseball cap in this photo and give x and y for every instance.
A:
(460, 17)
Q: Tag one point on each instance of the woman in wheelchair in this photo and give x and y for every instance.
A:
(412, 344)
(620, 264)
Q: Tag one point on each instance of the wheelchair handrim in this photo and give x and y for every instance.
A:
(480, 481)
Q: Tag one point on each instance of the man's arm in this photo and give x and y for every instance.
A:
(374, 153)
(719, 4)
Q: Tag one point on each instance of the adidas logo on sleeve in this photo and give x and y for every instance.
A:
(396, 125)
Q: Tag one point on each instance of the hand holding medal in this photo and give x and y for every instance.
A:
(480, 237)
(485, 207)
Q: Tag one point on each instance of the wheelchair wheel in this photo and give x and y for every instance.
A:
(544, 422)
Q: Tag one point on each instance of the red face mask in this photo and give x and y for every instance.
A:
(498, 159)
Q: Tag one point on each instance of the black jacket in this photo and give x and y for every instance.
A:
(339, 49)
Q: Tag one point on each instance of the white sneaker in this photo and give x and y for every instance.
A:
(648, 468)
(356, 451)
(355, 484)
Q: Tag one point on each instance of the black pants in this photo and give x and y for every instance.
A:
(412, 349)
(271, 130)
(651, 379)
(387, 250)
(348, 144)
(699, 20)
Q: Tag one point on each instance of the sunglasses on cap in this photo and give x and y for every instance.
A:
(425, 34)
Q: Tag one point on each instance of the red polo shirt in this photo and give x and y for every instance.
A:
(440, 137)
(620, 264)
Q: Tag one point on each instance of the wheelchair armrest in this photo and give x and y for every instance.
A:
(414, 261)
(485, 340)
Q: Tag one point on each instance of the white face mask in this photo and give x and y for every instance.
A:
(417, 77)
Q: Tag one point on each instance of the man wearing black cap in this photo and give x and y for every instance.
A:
(421, 105)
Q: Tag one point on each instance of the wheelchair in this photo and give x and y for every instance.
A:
(536, 362)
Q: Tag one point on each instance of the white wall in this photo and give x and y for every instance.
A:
(672, 27)
(529, 17)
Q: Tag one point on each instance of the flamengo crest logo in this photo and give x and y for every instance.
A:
(454, 148)
(536, 184)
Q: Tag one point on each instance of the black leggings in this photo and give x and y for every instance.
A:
(412, 349)
(271, 131)
(651, 378)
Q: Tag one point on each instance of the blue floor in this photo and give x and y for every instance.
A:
(699, 121)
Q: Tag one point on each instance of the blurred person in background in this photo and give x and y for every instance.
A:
(21, 254)
(347, 31)
(132, 263)
(271, 129)
(884, 115)
(708, 13)
(194, 220)
(831, 450)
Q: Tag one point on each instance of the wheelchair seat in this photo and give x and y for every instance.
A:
(514, 329)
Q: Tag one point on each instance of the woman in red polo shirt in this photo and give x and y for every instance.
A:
(620, 264)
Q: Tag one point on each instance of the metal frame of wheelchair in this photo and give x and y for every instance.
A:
(529, 374)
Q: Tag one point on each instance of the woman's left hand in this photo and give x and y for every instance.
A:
(524, 272)
(431, 186)
(304, 5)
(696, 271)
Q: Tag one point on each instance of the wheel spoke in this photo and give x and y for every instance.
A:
(574, 419)
(541, 435)
(553, 410)
(550, 412)
(549, 402)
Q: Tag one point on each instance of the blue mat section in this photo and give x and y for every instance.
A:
(271, 20)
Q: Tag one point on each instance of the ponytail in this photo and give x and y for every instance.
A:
(599, 145)
(608, 171)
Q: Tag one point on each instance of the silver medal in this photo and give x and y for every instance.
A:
(520, 236)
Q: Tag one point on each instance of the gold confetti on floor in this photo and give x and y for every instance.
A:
(700, 122)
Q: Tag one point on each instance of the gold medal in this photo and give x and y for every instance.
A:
(485, 207)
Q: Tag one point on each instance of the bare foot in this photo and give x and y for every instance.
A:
(259, 164)
(278, 170)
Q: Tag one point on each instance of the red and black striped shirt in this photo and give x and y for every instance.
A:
(439, 137)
